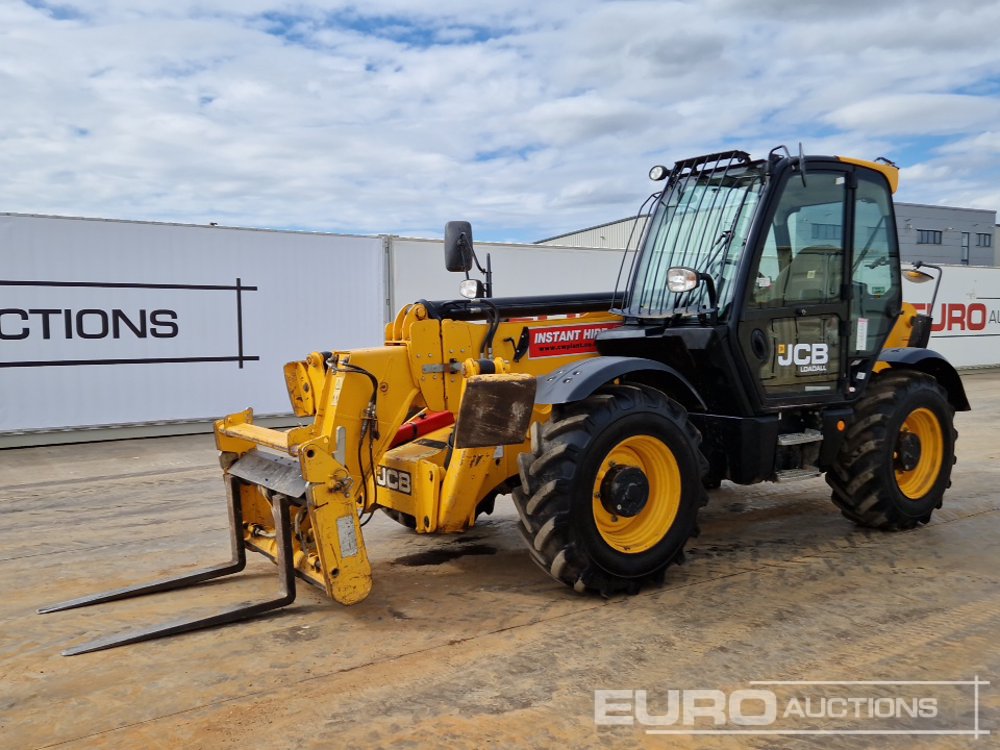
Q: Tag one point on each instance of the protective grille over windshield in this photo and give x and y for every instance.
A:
(700, 221)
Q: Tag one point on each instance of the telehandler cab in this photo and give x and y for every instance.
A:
(757, 333)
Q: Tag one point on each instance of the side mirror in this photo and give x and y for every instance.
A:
(458, 246)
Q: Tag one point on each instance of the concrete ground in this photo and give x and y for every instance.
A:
(463, 642)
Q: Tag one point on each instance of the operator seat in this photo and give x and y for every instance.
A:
(813, 276)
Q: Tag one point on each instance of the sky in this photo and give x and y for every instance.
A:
(529, 119)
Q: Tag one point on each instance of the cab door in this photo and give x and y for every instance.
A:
(792, 332)
(876, 289)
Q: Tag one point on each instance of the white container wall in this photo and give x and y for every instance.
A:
(108, 322)
(418, 270)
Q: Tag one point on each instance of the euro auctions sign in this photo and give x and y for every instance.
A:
(53, 323)
(966, 314)
(106, 323)
(800, 707)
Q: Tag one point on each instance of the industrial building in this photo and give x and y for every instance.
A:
(944, 234)
(933, 234)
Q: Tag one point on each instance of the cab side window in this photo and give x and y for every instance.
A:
(803, 255)
(875, 292)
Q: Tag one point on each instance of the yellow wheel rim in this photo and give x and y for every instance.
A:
(645, 529)
(919, 480)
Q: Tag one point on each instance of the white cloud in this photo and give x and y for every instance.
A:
(935, 114)
(527, 118)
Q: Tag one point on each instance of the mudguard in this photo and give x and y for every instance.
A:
(576, 381)
(932, 363)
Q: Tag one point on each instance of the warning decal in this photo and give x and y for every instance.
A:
(564, 340)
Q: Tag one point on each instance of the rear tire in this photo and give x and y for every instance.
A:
(611, 491)
(895, 463)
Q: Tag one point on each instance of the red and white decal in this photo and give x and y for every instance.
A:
(560, 341)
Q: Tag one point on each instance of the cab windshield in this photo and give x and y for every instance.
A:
(701, 221)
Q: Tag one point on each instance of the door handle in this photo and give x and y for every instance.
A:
(758, 345)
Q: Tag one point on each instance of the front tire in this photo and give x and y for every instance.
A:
(611, 491)
(895, 463)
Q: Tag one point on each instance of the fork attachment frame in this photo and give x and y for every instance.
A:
(286, 577)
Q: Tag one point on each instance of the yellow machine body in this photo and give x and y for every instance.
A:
(342, 465)
(344, 456)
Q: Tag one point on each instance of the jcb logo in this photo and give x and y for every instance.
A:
(813, 356)
(393, 479)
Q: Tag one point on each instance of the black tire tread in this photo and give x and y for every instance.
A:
(858, 489)
(541, 500)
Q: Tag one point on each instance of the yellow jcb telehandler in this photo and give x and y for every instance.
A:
(757, 333)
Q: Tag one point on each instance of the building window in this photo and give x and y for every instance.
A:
(984, 239)
(826, 231)
(928, 237)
